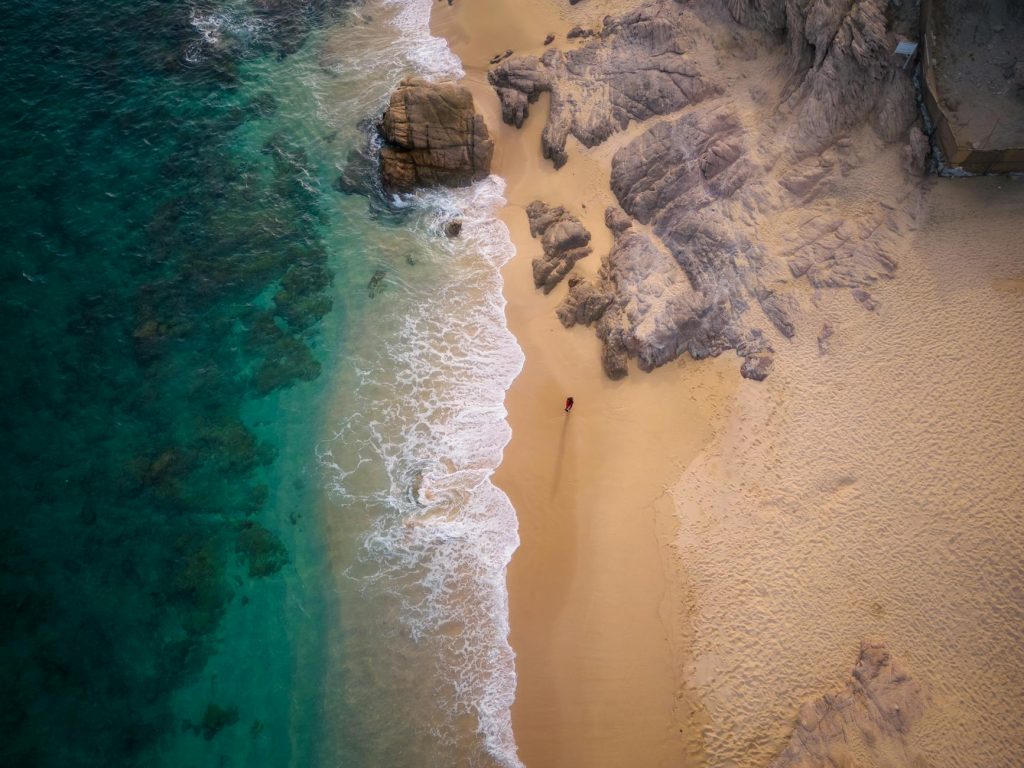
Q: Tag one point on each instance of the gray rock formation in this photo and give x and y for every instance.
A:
(842, 66)
(865, 724)
(432, 136)
(635, 69)
(616, 220)
(725, 208)
(564, 240)
(645, 307)
(585, 303)
(678, 177)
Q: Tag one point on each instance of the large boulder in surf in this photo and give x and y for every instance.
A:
(432, 136)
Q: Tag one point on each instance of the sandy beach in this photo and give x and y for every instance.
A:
(701, 554)
(596, 659)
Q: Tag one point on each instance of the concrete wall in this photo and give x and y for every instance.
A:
(962, 155)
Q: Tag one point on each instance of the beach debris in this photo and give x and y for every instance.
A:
(549, 39)
(870, 717)
(432, 136)
(584, 304)
(564, 241)
(501, 56)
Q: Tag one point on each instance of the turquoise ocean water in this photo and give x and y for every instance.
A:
(250, 420)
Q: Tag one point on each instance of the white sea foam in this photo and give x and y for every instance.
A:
(430, 415)
(425, 425)
(214, 26)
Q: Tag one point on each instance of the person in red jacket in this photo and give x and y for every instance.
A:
(568, 404)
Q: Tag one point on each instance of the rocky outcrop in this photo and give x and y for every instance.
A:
(432, 136)
(842, 67)
(584, 304)
(866, 723)
(564, 240)
(635, 69)
(725, 210)
(679, 177)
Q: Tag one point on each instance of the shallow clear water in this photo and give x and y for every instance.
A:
(247, 515)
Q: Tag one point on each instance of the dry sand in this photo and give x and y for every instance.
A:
(876, 490)
(701, 554)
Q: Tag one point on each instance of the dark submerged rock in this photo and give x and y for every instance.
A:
(261, 550)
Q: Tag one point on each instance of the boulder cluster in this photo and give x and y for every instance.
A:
(717, 170)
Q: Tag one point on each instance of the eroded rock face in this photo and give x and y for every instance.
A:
(843, 71)
(432, 136)
(744, 197)
(584, 304)
(635, 69)
(864, 724)
(564, 240)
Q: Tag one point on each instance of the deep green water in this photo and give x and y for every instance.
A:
(169, 317)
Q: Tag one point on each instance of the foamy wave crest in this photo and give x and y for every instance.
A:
(215, 28)
(373, 54)
(427, 433)
(429, 54)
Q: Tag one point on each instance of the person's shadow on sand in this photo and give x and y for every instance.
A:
(559, 457)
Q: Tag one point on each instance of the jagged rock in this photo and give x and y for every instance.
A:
(616, 219)
(684, 163)
(842, 67)
(578, 32)
(656, 314)
(634, 70)
(453, 228)
(549, 39)
(673, 177)
(823, 338)
(833, 252)
(756, 367)
(585, 303)
(864, 724)
(733, 202)
(564, 240)
(432, 136)
(915, 153)
(614, 358)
